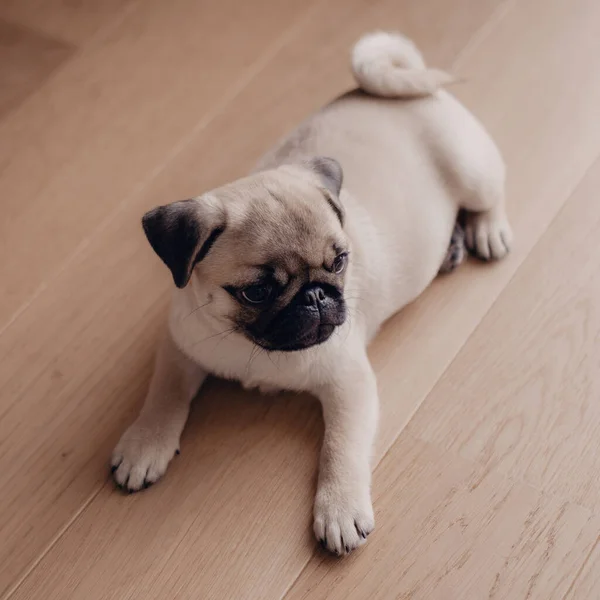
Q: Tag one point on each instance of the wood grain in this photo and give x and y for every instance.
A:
(540, 344)
(416, 347)
(96, 136)
(112, 118)
(447, 529)
(587, 583)
(493, 492)
(81, 386)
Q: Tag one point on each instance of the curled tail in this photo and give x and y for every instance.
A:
(389, 65)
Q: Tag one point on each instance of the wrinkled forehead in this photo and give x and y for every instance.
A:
(292, 241)
(281, 225)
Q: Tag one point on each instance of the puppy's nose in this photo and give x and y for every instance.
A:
(314, 296)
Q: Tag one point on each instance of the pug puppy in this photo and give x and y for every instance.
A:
(284, 277)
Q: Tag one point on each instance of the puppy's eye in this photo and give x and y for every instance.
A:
(257, 294)
(339, 264)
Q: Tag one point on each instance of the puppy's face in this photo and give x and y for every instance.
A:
(268, 252)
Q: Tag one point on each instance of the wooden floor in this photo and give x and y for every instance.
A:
(487, 483)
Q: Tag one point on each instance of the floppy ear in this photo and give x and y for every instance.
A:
(331, 177)
(329, 171)
(182, 234)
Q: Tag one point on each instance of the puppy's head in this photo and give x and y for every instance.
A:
(267, 253)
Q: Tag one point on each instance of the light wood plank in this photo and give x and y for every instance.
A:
(112, 117)
(448, 530)
(229, 521)
(67, 380)
(522, 396)
(72, 397)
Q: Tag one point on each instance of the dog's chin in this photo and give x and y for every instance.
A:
(314, 337)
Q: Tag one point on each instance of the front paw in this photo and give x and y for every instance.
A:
(141, 457)
(343, 520)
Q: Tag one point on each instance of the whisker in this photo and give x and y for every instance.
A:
(272, 361)
(356, 311)
(214, 335)
(253, 354)
(351, 298)
(232, 331)
(197, 309)
(349, 328)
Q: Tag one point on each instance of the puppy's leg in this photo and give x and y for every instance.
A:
(488, 234)
(343, 514)
(479, 174)
(142, 455)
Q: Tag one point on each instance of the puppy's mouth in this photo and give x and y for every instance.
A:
(304, 336)
(309, 320)
(312, 338)
(321, 335)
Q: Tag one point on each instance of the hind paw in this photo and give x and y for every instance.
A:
(457, 251)
(488, 235)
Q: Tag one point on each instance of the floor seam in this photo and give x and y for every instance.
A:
(219, 107)
(101, 34)
(586, 560)
(229, 96)
(482, 33)
(58, 536)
